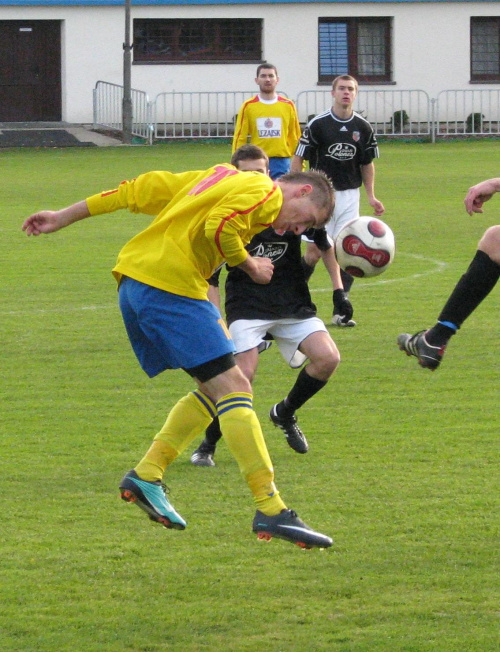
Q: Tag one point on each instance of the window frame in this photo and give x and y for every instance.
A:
(483, 78)
(252, 26)
(353, 24)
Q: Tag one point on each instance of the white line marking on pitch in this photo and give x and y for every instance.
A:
(439, 266)
(48, 311)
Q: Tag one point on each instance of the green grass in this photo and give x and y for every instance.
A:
(402, 470)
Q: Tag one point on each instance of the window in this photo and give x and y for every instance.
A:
(197, 40)
(485, 49)
(360, 47)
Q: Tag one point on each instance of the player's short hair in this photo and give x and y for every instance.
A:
(345, 78)
(265, 66)
(249, 153)
(322, 195)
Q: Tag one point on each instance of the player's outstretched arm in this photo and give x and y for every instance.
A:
(480, 193)
(51, 221)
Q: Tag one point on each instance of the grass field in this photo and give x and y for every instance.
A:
(402, 470)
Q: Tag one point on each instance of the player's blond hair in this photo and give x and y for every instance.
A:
(322, 195)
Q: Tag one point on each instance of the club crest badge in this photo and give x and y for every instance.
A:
(269, 127)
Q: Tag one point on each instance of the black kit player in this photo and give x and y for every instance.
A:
(342, 144)
(282, 309)
(428, 346)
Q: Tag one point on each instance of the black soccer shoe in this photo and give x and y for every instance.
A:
(294, 435)
(428, 356)
(342, 310)
(203, 456)
(342, 321)
(288, 526)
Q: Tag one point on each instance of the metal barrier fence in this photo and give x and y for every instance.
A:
(197, 115)
(107, 104)
(471, 112)
(392, 113)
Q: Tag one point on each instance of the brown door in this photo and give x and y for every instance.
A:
(30, 70)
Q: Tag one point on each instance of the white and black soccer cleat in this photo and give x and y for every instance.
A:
(294, 435)
(428, 356)
(342, 322)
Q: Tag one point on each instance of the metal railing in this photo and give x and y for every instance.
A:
(107, 105)
(467, 113)
(392, 113)
(197, 115)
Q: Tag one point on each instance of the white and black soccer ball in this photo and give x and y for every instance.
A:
(365, 247)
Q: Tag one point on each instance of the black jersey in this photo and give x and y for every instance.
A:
(338, 147)
(287, 295)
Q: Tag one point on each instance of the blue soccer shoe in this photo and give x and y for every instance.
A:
(151, 497)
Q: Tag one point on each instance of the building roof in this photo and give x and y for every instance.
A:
(146, 3)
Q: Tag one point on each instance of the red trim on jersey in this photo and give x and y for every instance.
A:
(112, 192)
(243, 108)
(220, 173)
(245, 212)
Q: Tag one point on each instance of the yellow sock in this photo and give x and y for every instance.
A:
(188, 418)
(243, 434)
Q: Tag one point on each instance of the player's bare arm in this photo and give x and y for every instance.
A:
(259, 269)
(297, 163)
(333, 268)
(480, 193)
(368, 175)
(51, 221)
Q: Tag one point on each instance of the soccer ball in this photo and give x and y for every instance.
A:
(365, 247)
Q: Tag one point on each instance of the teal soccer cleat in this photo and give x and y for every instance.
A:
(151, 497)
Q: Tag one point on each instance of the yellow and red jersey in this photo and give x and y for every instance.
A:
(273, 125)
(203, 218)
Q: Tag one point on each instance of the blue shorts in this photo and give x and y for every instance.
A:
(278, 166)
(168, 331)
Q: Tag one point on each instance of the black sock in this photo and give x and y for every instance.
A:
(212, 436)
(474, 286)
(305, 387)
(347, 280)
(439, 334)
(308, 269)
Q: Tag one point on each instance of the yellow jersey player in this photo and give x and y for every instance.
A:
(202, 219)
(270, 121)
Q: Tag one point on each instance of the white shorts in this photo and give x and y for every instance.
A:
(288, 333)
(346, 209)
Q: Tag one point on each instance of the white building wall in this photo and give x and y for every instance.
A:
(431, 47)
